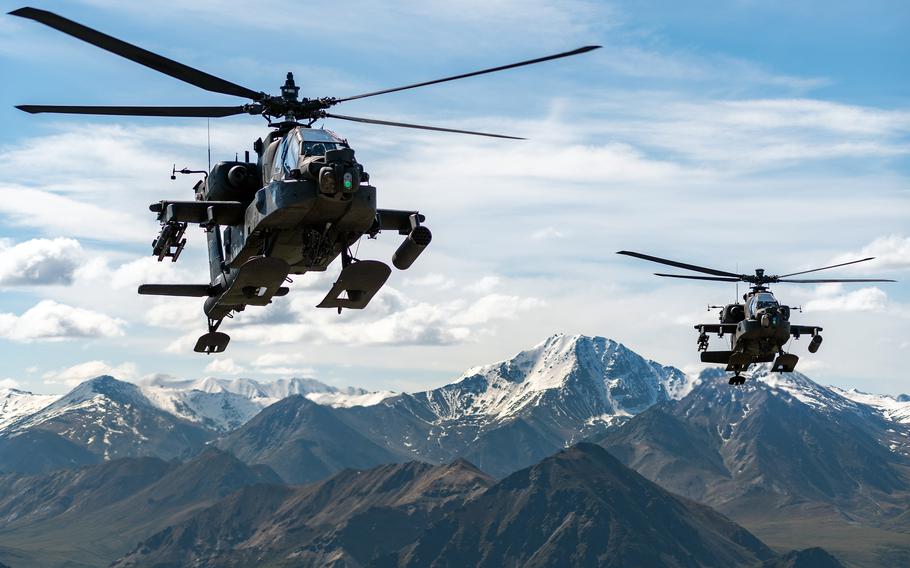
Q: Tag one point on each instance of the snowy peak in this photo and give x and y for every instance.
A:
(894, 408)
(595, 376)
(103, 394)
(275, 390)
(15, 403)
(226, 404)
(104, 386)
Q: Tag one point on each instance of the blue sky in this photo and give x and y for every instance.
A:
(732, 134)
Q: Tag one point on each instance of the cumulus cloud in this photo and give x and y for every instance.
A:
(833, 298)
(891, 252)
(225, 366)
(49, 212)
(72, 376)
(50, 321)
(9, 383)
(432, 280)
(485, 285)
(397, 320)
(39, 261)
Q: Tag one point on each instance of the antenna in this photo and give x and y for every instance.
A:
(736, 298)
(208, 139)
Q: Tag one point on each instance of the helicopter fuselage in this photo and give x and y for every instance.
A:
(299, 207)
(758, 330)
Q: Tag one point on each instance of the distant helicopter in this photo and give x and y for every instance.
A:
(760, 327)
(305, 201)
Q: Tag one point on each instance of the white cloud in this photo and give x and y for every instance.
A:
(391, 319)
(547, 233)
(147, 270)
(891, 252)
(833, 298)
(431, 280)
(485, 285)
(225, 366)
(39, 261)
(49, 321)
(46, 211)
(72, 376)
(276, 359)
(9, 384)
(745, 135)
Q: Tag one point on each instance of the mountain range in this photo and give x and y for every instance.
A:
(795, 463)
(501, 417)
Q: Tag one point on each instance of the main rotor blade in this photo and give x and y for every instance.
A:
(827, 267)
(212, 112)
(828, 280)
(418, 126)
(714, 278)
(692, 267)
(134, 53)
(578, 51)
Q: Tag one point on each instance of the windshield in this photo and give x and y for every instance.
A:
(764, 300)
(318, 148)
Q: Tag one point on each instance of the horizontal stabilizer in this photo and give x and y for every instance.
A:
(189, 290)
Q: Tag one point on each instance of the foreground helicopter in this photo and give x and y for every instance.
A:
(760, 327)
(302, 203)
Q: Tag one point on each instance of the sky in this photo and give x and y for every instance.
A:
(734, 135)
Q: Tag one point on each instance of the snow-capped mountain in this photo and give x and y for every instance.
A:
(781, 438)
(226, 404)
(104, 418)
(780, 451)
(15, 403)
(594, 378)
(501, 417)
(112, 419)
(896, 408)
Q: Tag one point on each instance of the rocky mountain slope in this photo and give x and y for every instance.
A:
(346, 520)
(92, 515)
(779, 448)
(582, 507)
(304, 441)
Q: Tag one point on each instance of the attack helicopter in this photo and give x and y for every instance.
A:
(760, 327)
(301, 204)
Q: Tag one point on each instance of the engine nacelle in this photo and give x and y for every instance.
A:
(733, 313)
(410, 249)
(232, 181)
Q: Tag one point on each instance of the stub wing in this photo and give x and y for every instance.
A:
(718, 328)
(797, 330)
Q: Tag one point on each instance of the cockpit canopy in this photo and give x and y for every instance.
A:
(318, 142)
(300, 143)
(761, 301)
